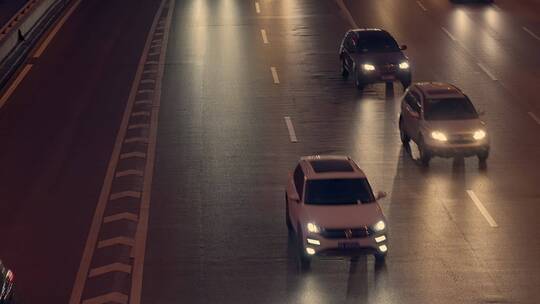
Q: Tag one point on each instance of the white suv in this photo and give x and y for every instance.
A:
(332, 210)
(443, 122)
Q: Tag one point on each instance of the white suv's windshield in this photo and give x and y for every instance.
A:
(338, 192)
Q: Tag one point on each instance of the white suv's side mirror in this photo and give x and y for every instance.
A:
(381, 195)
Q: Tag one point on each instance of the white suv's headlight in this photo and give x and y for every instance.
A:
(368, 67)
(479, 135)
(404, 65)
(379, 226)
(313, 228)
(438, 135)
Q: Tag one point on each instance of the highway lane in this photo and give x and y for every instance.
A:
(8, 9)
(217, 231)
(57, 131)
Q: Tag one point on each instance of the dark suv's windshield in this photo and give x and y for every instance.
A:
(449, 109)
(338, 192)
(376, 42)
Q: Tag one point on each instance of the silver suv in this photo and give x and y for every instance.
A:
(443, 122)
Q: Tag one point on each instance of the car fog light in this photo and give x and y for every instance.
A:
(313, 241)
(440, 136)
(381, 238)
(379, 226)
(311, 227)
(404, 65)
(383, 248)
(479, 134)
(368, 67)
(310, 251)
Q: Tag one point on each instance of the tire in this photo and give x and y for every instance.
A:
(380, 258)
(425, 156)
(482, 158)
(406, 84)
(287, 217)
(359, 85)
(344, 71)
(405, 139)
(305, 261)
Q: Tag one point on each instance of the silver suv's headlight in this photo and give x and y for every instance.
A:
(368, 67)
(404, 65)
(313, 228)
(379, 226)
(479, 134)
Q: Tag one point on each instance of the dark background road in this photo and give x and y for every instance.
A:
(8, 8)
(217, 230)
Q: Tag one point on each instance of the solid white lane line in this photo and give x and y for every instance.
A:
(487, 71)
(482, 209)
(264, 37)
(449, 34)
(14, 85)
(421, 6)
(139, 251)
(257, 8)
(274, 75)
(55, 30)
(535, 117)
(290, 127)
(531, 33)
(111, 297)
(347, 13)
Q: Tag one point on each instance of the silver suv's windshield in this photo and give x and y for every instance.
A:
(338, 191)
(449, 109)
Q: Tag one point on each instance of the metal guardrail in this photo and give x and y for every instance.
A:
(21, 32)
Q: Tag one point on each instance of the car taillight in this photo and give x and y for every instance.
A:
(10, 276)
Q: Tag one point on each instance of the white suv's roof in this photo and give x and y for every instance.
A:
(438, 90)
(330, 167)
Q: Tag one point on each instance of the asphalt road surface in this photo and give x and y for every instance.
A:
(234, 70)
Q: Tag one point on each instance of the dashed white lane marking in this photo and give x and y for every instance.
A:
(55, 30)
(531, 33)
(347, 13)
(487, 71)
(482, 209)
(290, 127)
(120, 240)
(535, 117)
(264, 37)
(114, 267)
(129, 172)
(257, 8)
(112, 297)
(138, 126)
(120, 216)
(132, 155)
(124, 194)
(274, 75)
(421, 6)
(14, 85)
(449, 34)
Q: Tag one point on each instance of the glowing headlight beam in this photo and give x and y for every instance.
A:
(440, 136)
(404, 65)
(479, 134)
(311, 227)
(368, 67)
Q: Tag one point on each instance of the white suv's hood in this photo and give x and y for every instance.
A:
(343, 216)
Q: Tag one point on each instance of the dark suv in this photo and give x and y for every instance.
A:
(6, 285)
(371, 56)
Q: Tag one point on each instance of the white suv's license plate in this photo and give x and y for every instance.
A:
(348, 245)
(388, 77)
